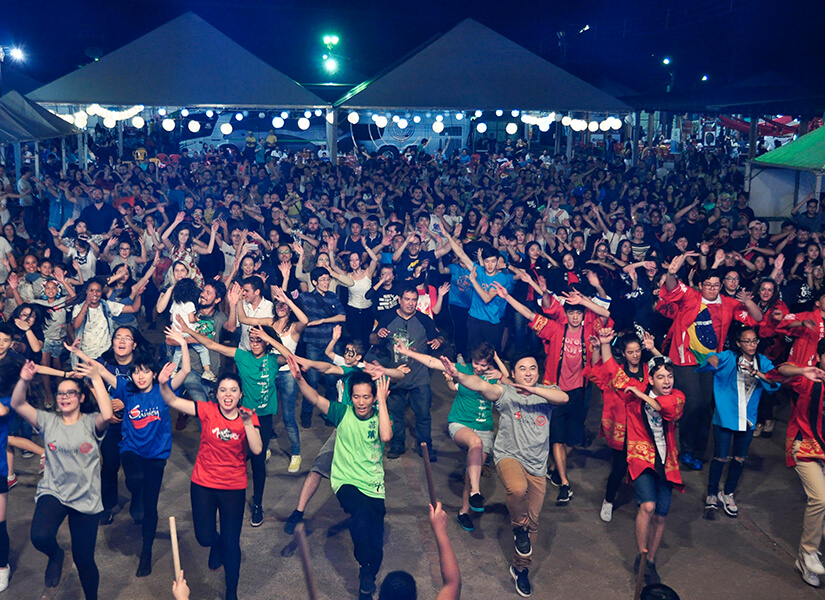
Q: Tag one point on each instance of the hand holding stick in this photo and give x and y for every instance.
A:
(173, 534)
(425, 453)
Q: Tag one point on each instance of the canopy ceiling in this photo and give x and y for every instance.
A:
(22, 120)
(806, 153)
(473, 67)
(185, 62)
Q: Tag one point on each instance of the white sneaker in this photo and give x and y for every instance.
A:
(294, 464)
(606, 513)
(268, 454)
(4, 578)
(812, 563)
(209, 376)
(729, 505)
(808, 576)
(460, 359)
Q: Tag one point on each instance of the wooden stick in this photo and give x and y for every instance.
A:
(425, 453)
(640, 575)
(303, 550)
(173, 534)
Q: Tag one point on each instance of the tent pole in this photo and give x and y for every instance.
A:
(747, 177)
(650, 129)
(752, 138)
(557, 129)
(332, 136)
(569, 151)
(63, 153)
(120, 140)
(37, 160)
(85, 156)
(818, 186)
(634, 137)
(18, 161)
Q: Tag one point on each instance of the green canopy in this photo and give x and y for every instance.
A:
(806, 153)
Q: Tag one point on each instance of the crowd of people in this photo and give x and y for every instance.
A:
(537, 286)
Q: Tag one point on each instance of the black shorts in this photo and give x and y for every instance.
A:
(567, 420)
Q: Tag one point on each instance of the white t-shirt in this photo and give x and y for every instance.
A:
(184, 309)
(87, 262)
(265, 309)
(5, 250)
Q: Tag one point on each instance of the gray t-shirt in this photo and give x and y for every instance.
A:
(72, 472)
(523, 429)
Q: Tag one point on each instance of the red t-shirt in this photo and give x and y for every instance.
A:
(572, 367)
(221, 461)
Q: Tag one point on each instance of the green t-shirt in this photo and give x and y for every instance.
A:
(359, 452)
(470, 408)
(258, 377)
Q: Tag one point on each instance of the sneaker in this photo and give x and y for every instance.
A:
(477, 502)
(306, 420)
(294, 464)
(460, 359)
(4, 578)
(757, 431)
(367, 583)
(268, 454)
(728, 504)
(767, 429)
(606, 513)
(215, 556)
(145, 564)
(553, 477)
(106, 517)
(54, 569)
(694, 464)
(292, 522)
(808, 576)
(565, 493)
(11, 481)
(27, 454)
(257, 515)
(651, 576)
(521, 536)
(209, 376)
(710, 502)
(523, 587)
(812, 562)
(465, 521)
(42, 463)
(395, 452)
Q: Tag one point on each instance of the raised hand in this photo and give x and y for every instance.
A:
(174, 334)
(166, 373)
(648, 342)
(606, 335)
(28, 371)
(294, 367)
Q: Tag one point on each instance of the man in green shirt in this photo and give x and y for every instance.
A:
(357, 475)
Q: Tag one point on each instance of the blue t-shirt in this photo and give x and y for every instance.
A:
(4, 435)
(492, 311)
(147, 429)
(461, 288)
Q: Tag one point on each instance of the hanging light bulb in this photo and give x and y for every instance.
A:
(138, 122)
(303, 123)
(194, 126)
(511, 128)
(353, 117)
(226, 128)
(277, 122)
(481, 127)
(438, 126)
(168, 124)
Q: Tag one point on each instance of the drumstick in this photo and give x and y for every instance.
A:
(303, 550)
(173, 534)
(640, 575)
(425, 453)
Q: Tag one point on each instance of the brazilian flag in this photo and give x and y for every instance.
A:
(703, 338)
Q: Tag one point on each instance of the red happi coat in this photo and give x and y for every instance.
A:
(552, 328)
(641, 449)
(775, 348)
(610, 378)
(803, 351)
(806, 422)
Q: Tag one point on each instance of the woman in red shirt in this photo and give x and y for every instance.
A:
(219, 477)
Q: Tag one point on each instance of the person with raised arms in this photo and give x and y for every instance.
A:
(521, 450)
(71, 480)
(218, 487)
(357, 474)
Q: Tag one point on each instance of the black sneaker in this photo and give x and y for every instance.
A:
(523, 587)
(257, 515)
(565, 493)
(215, 556)
(145, 565)
(651, 576)
(292, 522)
(553, 477)
(367, 583)
(106, 517)
(306, 420)
(395, 453)
(521, 535)
(54, 570)
(477, 502)
(465, 521)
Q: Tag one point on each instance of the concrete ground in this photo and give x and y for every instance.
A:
(577, 556)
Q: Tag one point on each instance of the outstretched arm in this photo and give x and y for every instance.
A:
(18, 397)
(308, 392)
(489, 391)
(187, 407)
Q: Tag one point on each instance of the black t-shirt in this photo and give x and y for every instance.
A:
(693, 232)
(406, 266)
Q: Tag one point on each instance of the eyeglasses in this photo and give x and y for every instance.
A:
(711, 286)
(749, 342)
(68, 394)
(284, 252)
(734, 278)
(124, 338)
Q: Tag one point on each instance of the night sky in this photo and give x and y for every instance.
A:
(726, 39)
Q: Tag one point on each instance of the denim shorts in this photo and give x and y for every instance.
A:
(487, 437)
(651, 487)
(54, 347)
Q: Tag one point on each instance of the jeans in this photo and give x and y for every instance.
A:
(258, 461)
(228, 507)
(459, 315)
(366, 528)
(694, 426)
(360, 323)
(143, 480)
(313, 376)
(49, 514)
(197, 390)
(110, 464)
(420, 400)
(722, 439)
(287, 395)
(203, 354)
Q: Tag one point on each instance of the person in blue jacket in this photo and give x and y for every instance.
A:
(738, 382)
